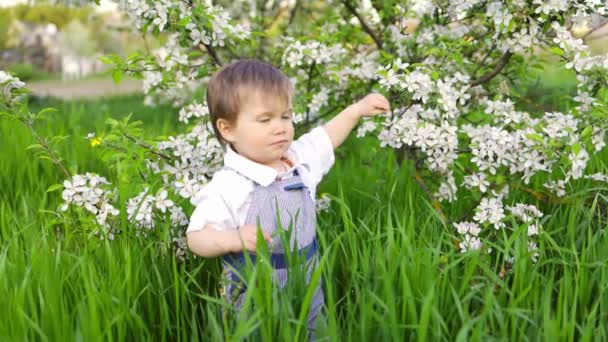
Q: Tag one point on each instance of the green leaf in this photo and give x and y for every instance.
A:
(576, 148)
(34, 146)
(106, 60)
(117, 76)
(587, 132)
(54, 187)
(557, 50)
(48, 110)
(535, 137)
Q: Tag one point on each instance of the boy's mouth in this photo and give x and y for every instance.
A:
(280, 142)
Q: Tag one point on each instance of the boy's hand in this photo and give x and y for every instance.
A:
(372, 104)
(246, 238)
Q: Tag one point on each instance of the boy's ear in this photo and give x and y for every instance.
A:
(225, 129)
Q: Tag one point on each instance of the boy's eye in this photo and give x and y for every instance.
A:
(264, 120)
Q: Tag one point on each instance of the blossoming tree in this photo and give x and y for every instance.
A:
(448, 68)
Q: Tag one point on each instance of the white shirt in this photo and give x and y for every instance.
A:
(225, 200)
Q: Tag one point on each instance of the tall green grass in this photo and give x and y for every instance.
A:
(389, 267)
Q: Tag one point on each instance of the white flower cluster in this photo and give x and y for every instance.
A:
(181, 247)
(140, 208)
(477, 180)
(439, 142)
(156, 12)
(9, 83)
(143, 209)
(583, 63)
(458, 9)
(501, 15)
(470, 236)
(171, 55)
(297, 118)
(193, 110)
(447, 189)
(174, 79)
(504, 113)
(297, 54)
(556, 186)
(365, 127)
(579, 163)
(368, 12)
(522, 40)
(317, 102)
(526, 212)
(548, 7)
(490, 210)
(363, 66)
(196, 156)
(418, 83)
(600, 177)
(453, 92)
(88, 191)
(323, 203)
(598, 138)
(491, 147)
(533, 250)
(217, 30)
(566, 41)
(422, 7)
(398, 37)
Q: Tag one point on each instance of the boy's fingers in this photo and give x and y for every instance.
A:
(267, 237)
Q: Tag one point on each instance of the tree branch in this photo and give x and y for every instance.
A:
(309, 87)
(590, 32)
(211, 52)
(364, 24)
(497, 69)
(53, 156)
(485, 58)
(148, 147)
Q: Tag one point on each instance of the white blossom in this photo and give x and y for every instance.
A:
(323, 203)
(470, 243)
(465, 227)
(533, 250)
(526, 212)
(193, 110)
(490, 210)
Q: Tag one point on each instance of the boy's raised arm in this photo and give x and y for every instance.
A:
(342, 124)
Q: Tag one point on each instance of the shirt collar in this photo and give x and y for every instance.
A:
(261, 174)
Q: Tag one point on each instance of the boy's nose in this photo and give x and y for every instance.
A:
(279, 129)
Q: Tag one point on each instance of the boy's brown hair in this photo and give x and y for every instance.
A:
(232, 83)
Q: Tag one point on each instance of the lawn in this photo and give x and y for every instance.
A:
(390, 269)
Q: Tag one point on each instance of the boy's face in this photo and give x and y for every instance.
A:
(263, 130)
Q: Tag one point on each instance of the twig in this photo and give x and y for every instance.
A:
(485, 57)
(292, 14)
(148, 147)
(211, 52)
(590, 32)
(309, 86)
(501, 64)
(56, 160)
(434, 202)
(364, 24)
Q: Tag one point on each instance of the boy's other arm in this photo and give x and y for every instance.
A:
(210, 242)
(340, 126)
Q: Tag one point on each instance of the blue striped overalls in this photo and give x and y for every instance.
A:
(293, 199)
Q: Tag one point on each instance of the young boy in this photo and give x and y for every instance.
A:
(250, 108)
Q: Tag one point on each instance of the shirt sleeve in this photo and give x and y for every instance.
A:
(315, 150)
(213, 206)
